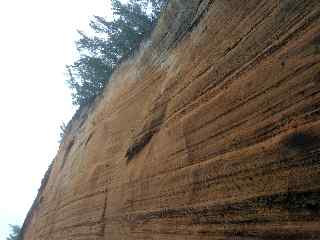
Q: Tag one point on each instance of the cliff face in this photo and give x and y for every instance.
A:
(212, 131)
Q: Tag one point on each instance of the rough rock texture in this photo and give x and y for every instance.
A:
(212, 131)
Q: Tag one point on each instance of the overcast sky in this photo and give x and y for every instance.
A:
(36, 42)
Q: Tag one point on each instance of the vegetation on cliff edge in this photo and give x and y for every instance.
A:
(112, 42)
(15, 231)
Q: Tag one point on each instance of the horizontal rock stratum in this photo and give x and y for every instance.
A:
(211, 131)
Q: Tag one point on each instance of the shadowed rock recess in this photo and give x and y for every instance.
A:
(211, 131)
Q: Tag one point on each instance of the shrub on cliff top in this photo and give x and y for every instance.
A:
(113, 41)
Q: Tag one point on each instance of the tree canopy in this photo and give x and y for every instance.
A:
(15, 231)
(113, 41)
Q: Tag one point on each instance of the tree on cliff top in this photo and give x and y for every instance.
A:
(15, 231)
(113, 41)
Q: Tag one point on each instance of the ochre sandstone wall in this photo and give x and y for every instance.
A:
(212, 131)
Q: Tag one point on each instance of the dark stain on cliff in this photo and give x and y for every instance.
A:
(137, 146)
(88, 139)
(308, 202)
(301, 142)
(316, 44)
(151, 126)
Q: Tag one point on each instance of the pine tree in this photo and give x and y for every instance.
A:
(114, 40)
(15, 231)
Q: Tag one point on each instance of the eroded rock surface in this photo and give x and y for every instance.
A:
(212, 131)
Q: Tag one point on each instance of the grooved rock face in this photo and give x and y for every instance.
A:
(212, 131)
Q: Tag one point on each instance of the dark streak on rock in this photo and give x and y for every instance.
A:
(306, 204)
(88, 139)
(136, 147)
(151, 127)
(301, 142)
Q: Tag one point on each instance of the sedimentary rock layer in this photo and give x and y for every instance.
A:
(211, 131)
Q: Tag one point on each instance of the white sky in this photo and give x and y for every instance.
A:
(36, 42)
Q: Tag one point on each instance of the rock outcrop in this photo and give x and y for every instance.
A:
(211, 131)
